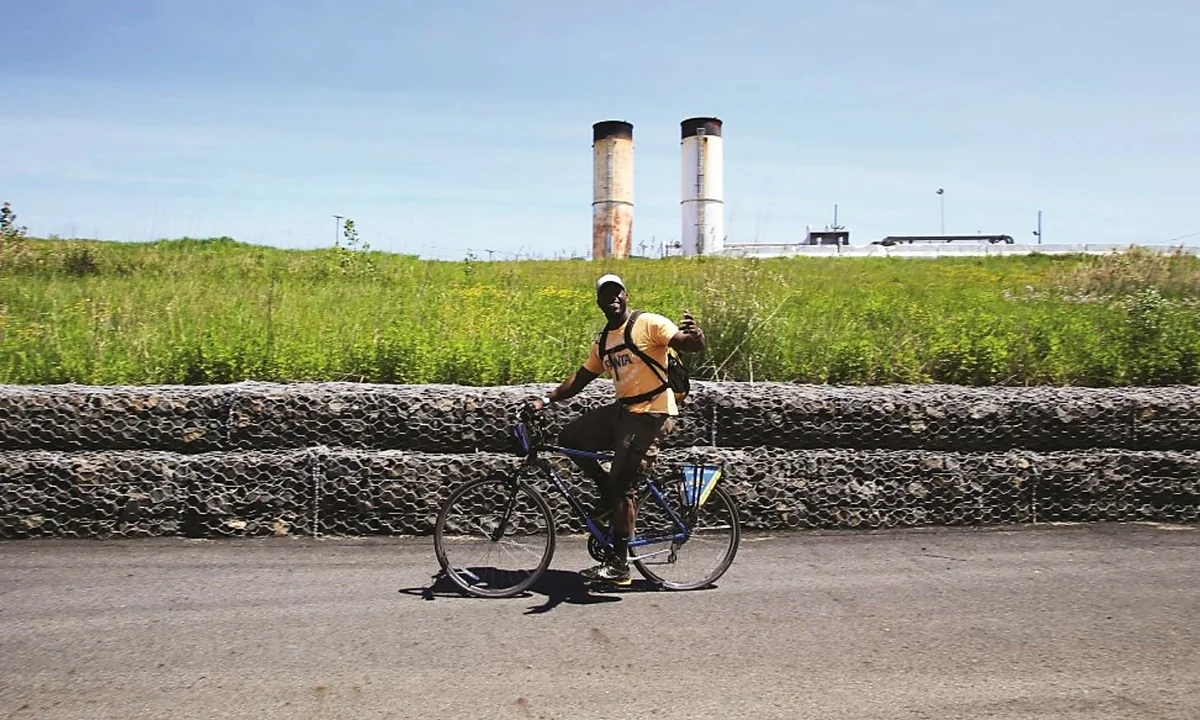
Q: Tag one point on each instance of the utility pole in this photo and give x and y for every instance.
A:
(337, 226)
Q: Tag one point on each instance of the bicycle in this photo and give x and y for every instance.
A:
(683, 508)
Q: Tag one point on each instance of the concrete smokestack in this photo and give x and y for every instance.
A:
(703, 184)
(612, 189)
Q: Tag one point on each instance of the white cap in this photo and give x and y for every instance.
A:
(607, 279)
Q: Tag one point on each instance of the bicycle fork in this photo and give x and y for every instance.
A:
(514, 486)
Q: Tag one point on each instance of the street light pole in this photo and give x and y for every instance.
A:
(942, 194)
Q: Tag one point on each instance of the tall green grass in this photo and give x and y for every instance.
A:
(210, 311)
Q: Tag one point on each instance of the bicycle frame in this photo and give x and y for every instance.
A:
(534, 462)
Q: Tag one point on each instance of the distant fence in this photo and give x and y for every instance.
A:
(253, 459)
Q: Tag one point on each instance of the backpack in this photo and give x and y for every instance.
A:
(674, 376)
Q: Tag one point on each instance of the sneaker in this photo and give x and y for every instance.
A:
(608, 573)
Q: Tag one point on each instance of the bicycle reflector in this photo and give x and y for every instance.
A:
(698, 482)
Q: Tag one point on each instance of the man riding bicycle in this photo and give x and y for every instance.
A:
(632, 426)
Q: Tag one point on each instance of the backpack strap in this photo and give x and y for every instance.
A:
(654, 364)
(600, 341)
(628, 342)
(603, 350)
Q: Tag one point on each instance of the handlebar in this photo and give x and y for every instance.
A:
(528, 430)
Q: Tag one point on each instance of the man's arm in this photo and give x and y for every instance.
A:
(569, 387)
(690, 337)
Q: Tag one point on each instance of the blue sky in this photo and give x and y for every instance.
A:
(444, 127)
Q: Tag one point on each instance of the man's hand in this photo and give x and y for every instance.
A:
(690, 337)
(688, 324)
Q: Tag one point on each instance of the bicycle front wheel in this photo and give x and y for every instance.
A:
(668, 559)
(494, 536)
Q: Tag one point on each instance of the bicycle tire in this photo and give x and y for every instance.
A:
(718, 497)
(441, 539)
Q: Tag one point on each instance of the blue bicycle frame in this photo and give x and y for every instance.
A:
(601, 535)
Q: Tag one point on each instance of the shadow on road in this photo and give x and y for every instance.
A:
(558, 586)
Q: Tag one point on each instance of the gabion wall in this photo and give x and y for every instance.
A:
(262, 459)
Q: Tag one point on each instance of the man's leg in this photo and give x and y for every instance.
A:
(638, 436)
(593, 431)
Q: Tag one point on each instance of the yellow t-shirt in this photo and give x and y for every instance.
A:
(651, 334)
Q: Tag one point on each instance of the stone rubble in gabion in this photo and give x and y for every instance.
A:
(345, 491)
(77, 417)
(152, 493)
(457, 419)
(937, 417)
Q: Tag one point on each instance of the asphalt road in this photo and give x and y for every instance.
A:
(1095, 621)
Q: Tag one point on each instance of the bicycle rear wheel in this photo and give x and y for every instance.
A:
(494, 536)
(668, 560)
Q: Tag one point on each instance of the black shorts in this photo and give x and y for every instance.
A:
(633, 438)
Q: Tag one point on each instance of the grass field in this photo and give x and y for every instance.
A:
(208, 311)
